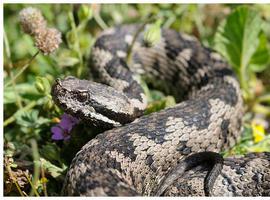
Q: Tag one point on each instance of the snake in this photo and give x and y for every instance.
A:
(172, 152)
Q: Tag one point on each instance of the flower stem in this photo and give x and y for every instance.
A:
(43, 177)
(264, 98)
(77, 44)
(36, 160)
(140, 29)
(258, 108)
(26, 108)
(22, 70)
(10, 67)
(100, 21)
(32, 186)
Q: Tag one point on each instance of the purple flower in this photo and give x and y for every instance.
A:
(62, 130)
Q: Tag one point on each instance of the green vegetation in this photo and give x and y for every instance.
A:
(35, 164)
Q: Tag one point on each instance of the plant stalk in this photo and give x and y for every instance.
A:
(140, 29)
(26, 108)
(10, 67)
(100, 21)
(10, 172)
(36, 160)
(77, 44)
(22, 70)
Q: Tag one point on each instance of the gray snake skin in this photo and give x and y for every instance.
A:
(173, 152)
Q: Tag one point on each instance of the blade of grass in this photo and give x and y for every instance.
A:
(22, 70)
(26, 108)
(32, 186)
(44, 185)
(10, 172)
(258, 108)
(77, 44)
(100, 21)
(264, 98)
(140, 29)
(10, 67)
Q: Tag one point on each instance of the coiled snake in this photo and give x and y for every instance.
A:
(158, 154)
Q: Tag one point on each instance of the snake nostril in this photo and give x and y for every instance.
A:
(58, 81)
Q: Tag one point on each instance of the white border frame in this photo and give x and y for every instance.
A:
(103, 2)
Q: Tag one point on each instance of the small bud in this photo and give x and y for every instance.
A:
(48, 104)
(71, 38)
(44, 180)
(42, 84)
(32, 20)
(48, 40)
(39, 86)
(85, 12)
(56, 120)
(153, 34)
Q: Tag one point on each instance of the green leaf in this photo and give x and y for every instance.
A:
(68, 61)
(51, 152)
(30, 119)
(260, 58)
(27, 119)
(263, 146)
(169, 101)
(158, 105)
(237, 37)
(155, 106)
(53, 170)
(153, 34)
(155, 95)
(26, 90)
(85, 43)
(9, 97)
(71, 38)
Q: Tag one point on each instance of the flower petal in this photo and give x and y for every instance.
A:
(62, 130)
(57, 133)
(67, 122)
(65, 125)
(258, 132)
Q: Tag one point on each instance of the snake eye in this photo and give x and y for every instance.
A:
(82, 96)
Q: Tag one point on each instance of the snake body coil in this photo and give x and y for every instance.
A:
(150, 155)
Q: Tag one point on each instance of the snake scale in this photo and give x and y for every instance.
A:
(173, 152)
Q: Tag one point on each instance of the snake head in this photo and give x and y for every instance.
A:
(94, 103)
